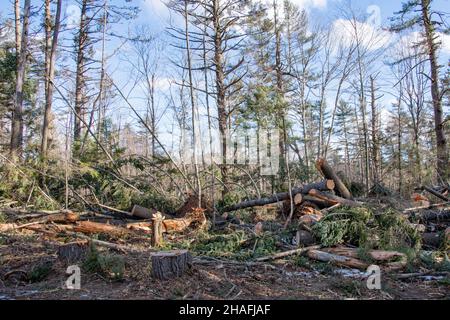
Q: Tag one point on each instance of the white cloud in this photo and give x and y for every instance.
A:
(370, 36)
(307, 4)
(163, 84)
(156, 7)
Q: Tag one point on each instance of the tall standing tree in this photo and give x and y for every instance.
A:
(16, 147)
(418, 13)
(51, 44)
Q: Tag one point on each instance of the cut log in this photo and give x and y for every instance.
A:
(337, 259)
(318, 202)
(327, 172)
(95, 227)
(73, 252)
(322, 185)
(435, 193)
(333, 199)
(170, 264)
(298, 198)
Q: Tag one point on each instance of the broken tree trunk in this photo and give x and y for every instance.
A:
(298, 199)
(170, 264)
(157, 236)
(322, 185)
(331, 198)
(327, 172)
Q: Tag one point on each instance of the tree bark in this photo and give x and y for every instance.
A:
(441, 142)
(331, 198)
(170, 264)
(328, 173)
(50, 71)
(80, 72)
(16, 146)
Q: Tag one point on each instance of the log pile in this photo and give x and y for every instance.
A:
(309, 202)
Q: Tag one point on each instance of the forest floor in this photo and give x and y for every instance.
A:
(24, 253)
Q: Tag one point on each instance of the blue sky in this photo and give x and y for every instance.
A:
(155, 14)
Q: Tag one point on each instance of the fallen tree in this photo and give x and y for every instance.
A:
(322, 185)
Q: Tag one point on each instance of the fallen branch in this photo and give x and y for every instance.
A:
(287, 253)
(101, 243)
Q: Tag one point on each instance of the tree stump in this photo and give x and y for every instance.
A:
(73, 252)
(170, 264)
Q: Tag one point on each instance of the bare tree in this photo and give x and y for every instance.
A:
(51, 44)
(17, 120)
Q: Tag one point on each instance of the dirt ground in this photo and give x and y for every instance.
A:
(21, 252)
